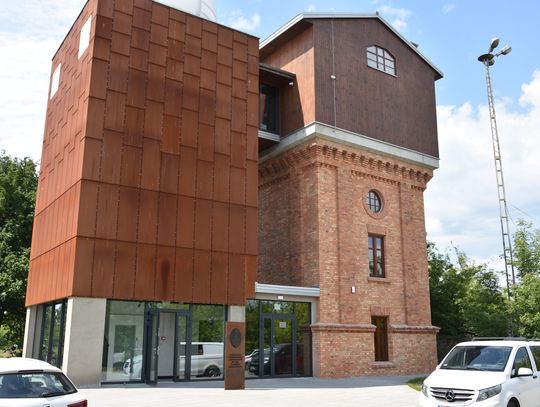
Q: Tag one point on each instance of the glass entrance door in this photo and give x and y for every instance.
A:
(278, 345)
(169, 345)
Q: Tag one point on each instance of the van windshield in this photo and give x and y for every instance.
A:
(488, 358)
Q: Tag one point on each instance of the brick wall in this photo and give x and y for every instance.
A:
(314, 226)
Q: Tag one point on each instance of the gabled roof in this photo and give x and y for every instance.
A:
(299, 23)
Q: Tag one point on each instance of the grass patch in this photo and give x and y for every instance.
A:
(416, 383)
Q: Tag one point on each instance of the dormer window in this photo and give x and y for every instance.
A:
(381, 59)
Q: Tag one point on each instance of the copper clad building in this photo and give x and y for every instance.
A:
(192, 177)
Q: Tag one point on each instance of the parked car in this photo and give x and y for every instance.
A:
(34, 383)
(282, 354)
(502, 373)
(206, 361)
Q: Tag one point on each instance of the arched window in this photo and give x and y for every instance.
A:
(381, 59)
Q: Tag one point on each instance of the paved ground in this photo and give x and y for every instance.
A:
(363, 392)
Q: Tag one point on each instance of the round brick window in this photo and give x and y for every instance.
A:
(374, 202)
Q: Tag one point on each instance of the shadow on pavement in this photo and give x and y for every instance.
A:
(284, 383)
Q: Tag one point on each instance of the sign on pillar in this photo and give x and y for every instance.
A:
(234, 356)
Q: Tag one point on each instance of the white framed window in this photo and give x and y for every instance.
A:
(84, 37)
(55, 80)
(380, 59)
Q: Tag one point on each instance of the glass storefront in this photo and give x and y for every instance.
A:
(124, 341)
(153, 341)
(51, 345)
(163, 341)
(207, 341)
(278, 339)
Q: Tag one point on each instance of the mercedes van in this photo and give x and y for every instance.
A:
(502, 373)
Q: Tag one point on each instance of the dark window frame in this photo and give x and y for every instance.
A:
(49, 332)
(274, 106)
(381, 59)
(374, 201)
(377, 267)
(380, 337)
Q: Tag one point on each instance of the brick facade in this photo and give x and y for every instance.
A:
(314, 225)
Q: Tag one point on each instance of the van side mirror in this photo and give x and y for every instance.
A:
(525, 371)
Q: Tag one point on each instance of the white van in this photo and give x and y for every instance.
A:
(206, 361)
(502, 373)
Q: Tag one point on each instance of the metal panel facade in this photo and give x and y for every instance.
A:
(149, 167)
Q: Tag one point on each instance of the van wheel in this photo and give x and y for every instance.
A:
(213, 371)
(513, 403)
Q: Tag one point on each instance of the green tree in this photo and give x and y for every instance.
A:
(447, 287)
(526, 293)
(466, 300)
(526, 306)
(18, 183)
(485, 305)
(526, 251)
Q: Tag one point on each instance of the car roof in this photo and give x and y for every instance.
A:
(13, 365)
(508, 343)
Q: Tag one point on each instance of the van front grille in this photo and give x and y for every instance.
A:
(452, 395)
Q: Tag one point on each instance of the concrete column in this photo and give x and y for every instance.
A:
(83, 343)
(235, 346)
(32, 331)
(236, 313)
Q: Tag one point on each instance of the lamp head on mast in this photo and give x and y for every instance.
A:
(489, 58)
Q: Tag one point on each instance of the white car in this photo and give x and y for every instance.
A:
(34, 383)
(501, 373)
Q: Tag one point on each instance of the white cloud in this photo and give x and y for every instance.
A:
(461, 200)
(311, 7)
(30, 33)
(531, 92)
(447, 8)
(397, 16)
(238, 21)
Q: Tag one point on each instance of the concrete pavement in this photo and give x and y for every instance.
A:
(362, 391)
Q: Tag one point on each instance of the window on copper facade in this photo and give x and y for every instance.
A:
(84, 36)
(376, 256)
(269, 108)
(381, 338)
(381, 59)
(55, 80)
(374, 202)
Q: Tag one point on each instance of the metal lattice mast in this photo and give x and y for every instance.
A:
(488, 60)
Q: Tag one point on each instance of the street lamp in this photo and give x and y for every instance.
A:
(488, 60)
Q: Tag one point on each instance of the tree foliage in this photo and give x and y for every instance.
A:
(526, 250)
(18, 183)
(466, 300)
(526, 306)
(526, 293)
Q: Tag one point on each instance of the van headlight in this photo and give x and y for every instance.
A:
(425, 390)
(485, 394)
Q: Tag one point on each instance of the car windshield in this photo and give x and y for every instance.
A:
(488, 358)
(30, 384)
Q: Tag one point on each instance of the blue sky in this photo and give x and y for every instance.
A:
(450, 33)
(461, 200)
